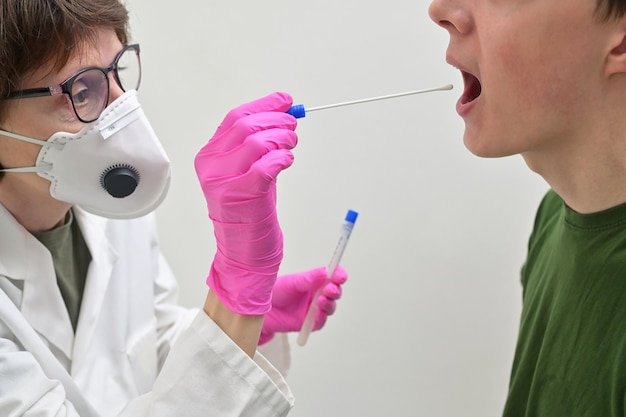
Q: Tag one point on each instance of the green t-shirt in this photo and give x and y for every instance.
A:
(71, 259)
(570, 359)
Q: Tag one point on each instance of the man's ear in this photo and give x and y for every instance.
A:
(616, 60)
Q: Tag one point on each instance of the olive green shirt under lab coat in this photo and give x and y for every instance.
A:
(570, 359)
(71, 259)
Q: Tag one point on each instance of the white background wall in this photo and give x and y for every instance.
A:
(428, 320)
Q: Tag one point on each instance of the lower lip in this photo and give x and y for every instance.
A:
(463, 109)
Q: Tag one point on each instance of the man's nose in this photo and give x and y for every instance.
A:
(452, 15)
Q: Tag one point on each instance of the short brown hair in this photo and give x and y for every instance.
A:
(34, 33)
(611, 9)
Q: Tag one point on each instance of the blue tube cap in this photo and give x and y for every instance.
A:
(351, 216)
(297, 111)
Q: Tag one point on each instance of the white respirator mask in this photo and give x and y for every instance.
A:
(115, 167)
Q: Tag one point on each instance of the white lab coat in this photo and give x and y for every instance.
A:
(128, 323)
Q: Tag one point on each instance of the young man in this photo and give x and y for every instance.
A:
(547, 80)
(89, 324)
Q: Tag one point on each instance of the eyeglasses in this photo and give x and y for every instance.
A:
(88, 90)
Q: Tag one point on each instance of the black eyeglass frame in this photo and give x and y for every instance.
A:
(66, 86)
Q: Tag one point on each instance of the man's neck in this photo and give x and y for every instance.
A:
(589, 178)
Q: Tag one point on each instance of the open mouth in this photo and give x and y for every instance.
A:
(472, 88)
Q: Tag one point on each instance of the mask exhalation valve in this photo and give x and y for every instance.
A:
(120, 180)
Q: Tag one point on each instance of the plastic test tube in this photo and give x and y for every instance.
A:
(309, 319)
(298, 111)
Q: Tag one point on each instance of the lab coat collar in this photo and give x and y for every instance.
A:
(23, 257)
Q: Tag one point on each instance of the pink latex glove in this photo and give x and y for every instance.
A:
(292, 298)
(237, 170)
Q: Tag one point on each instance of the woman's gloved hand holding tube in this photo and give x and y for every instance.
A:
(293, 294)
(237, 170)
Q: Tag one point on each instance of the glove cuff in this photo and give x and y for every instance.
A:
(246, 264)
(242, 290)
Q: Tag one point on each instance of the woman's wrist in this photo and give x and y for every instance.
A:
(244, 330)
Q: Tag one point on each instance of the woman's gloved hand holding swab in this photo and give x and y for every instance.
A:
(237, 170)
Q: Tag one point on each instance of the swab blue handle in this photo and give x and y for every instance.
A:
(297, 111)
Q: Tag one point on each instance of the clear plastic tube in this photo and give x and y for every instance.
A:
(309, 319)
